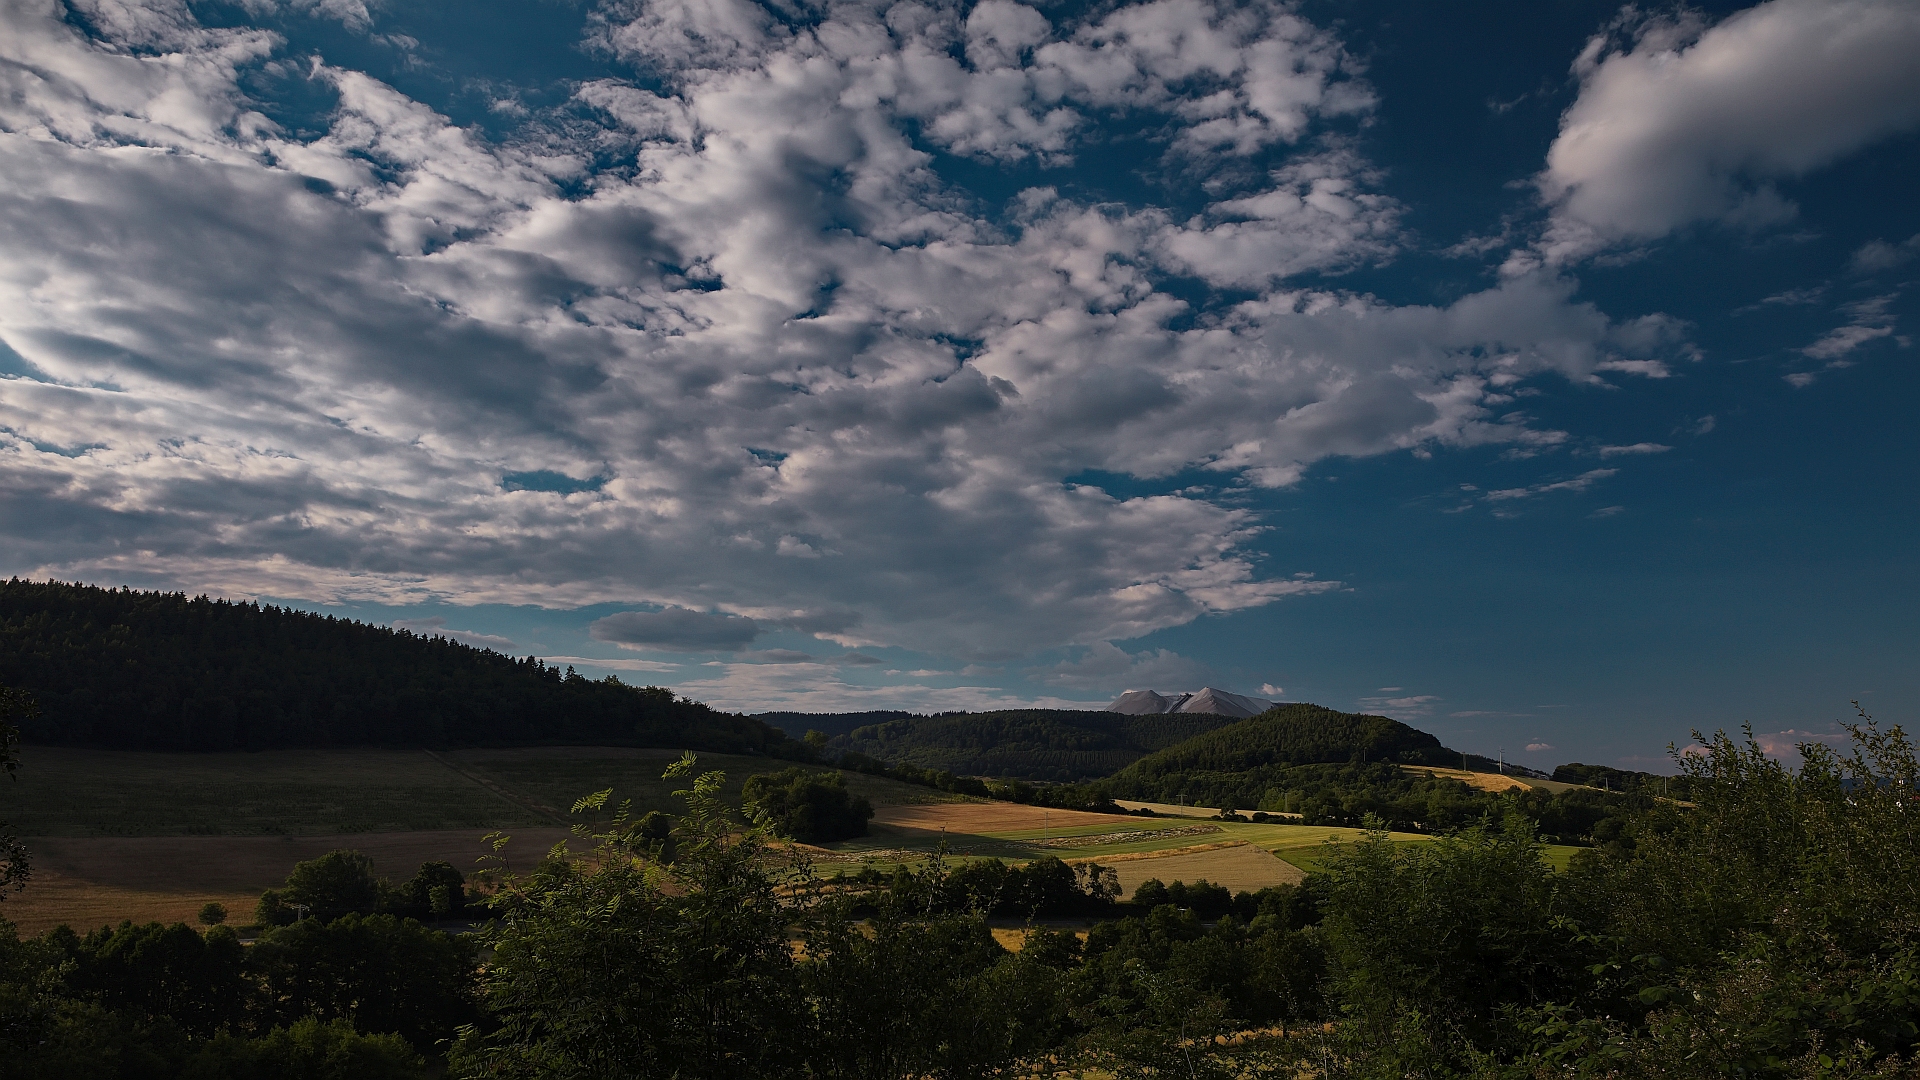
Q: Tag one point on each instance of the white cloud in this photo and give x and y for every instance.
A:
(676, 630)
(804, 688)
(1634, 448)
(775, 656)
(1108, 669)
(1686, 123)
(1537, 747)
(1409, 707)
(822, 389)
(1877, 255)
(651, 667)
(1579, 483)
(1868, 320)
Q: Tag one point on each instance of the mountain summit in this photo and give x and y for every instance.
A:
(1204, 700)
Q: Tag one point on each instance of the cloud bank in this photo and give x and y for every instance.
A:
(770, 365)
(1681, 123)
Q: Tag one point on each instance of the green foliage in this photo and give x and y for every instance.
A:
(342, 999)
(155, 973)
(1154, 992)
(807, 805)
(148, 670)
(626, 967)
(379, 973)
(1458, 933)
(335, 884)
(1043, 888)
(213, 914)
(911, 991)
(1294, 735)
(16, 708)
(436, 891)
(308, 1049)
(1770, 931)
(1622, 780)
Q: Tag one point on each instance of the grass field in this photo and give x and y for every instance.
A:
(126, 835)
(154, 836)
(72, 793)
(67, 792)
(93, 881)
(555, 776)
(1239, 854)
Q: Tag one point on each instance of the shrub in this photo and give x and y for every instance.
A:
(811, 807)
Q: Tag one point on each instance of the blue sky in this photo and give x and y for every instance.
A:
(1539, 373)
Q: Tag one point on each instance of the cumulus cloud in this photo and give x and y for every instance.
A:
(1877, 255)
(1108, 668)
(815, 386)
(1678, 122)
(678, 630)
(1538, 747)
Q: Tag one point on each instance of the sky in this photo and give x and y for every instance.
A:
(1538, 373)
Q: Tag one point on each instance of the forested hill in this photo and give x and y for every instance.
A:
(1026, 744)
(797, 724)
(1283, 736)
(123, 669)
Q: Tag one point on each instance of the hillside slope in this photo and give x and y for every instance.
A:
(1026, 744)
(122, 669)
(1239, 753)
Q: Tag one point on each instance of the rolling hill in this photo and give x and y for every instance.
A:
(1026, 744)
(131, 670)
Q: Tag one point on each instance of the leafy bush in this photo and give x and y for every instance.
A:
(811, 807)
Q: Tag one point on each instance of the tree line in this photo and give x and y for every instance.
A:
(138, 670)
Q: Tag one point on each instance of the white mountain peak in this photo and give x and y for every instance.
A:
(1204, 700)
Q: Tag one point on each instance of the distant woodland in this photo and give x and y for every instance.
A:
(119, 668)
(1026, 744)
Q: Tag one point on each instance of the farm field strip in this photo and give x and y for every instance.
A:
(1094, 832)
(1107, 839)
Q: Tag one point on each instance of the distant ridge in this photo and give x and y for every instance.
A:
(1205, 700)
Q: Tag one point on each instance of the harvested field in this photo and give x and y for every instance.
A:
(93, 881)
(1240, 867)
(1167, 809)
(1478, 780)
(986, 818)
